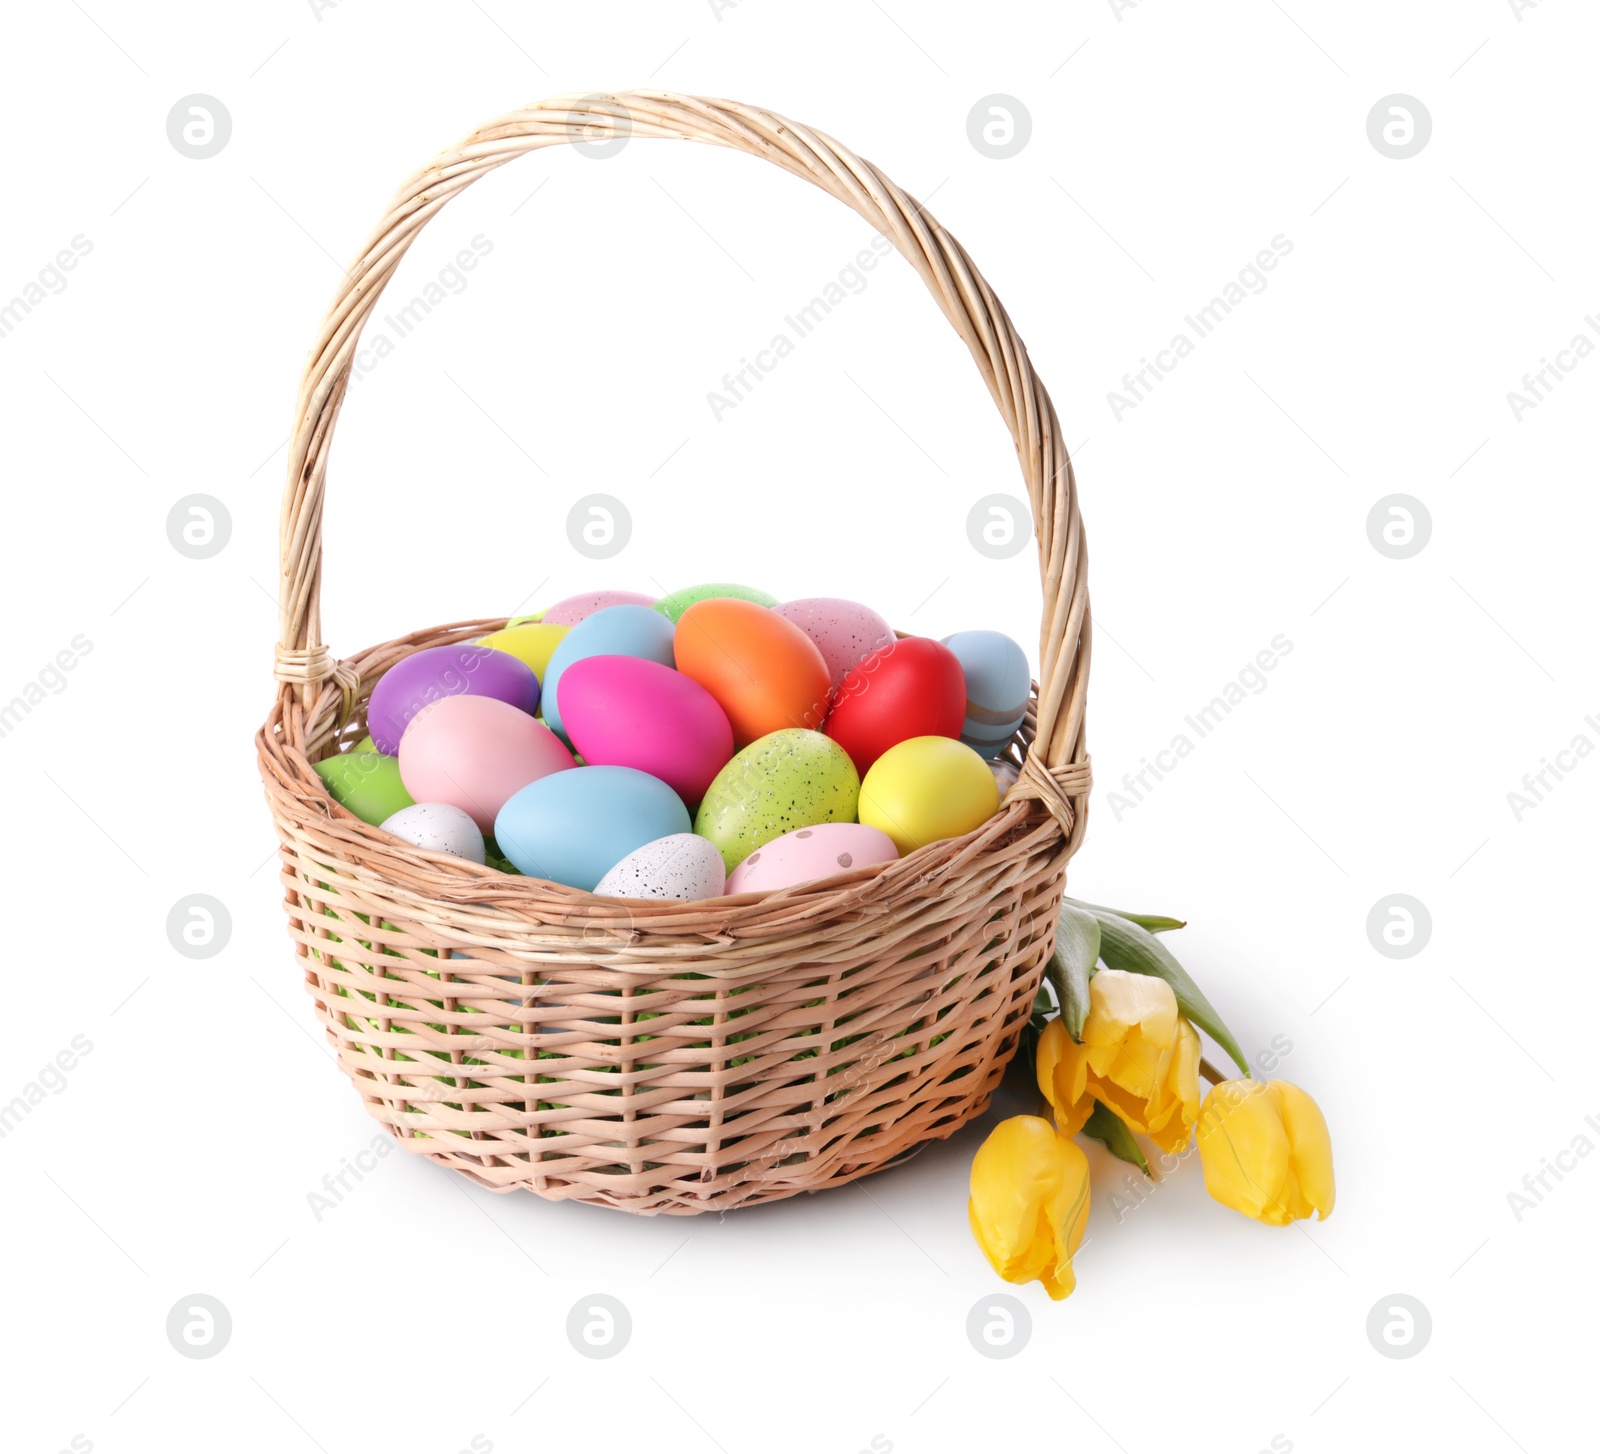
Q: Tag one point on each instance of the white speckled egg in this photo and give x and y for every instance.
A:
(679, 866)
(438, 827)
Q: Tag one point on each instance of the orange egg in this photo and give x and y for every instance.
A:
(763, 670)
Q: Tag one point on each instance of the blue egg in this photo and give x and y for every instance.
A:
(640, 631)
(998, 686)
(572, 826)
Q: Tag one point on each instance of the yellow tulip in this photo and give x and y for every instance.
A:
(1030, 1202)
(1265, 1151)
(1139, 1056)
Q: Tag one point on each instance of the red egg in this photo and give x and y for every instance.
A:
(910, 688)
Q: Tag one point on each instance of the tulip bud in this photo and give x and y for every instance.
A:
(1265, 1151)
(1030, 1202)
(1139, 1056)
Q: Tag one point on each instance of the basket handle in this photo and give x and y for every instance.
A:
(1056, 769)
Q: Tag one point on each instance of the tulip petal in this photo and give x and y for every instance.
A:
(1310, 1147)
(1029, 1202)
(1244, 1150)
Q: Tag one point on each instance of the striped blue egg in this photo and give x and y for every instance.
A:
(573, 831)
(640, 631)
(999, 682)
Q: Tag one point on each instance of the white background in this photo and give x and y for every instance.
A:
(1170, 143)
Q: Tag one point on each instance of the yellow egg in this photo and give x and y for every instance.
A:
(925, 789)
(533, 643)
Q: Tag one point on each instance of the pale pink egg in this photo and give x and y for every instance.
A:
(624, 711)
(572, 610)
(811, 853)
(843, 631)
(474, 753)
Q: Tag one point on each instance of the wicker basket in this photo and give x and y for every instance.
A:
(668, 1056)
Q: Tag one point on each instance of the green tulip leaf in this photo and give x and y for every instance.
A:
(1077, 953)
(1108, 1128)
(1124, 945)
(1155, 923)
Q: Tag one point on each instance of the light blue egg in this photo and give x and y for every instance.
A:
(640, 631)
(998, 686)
(570, 827)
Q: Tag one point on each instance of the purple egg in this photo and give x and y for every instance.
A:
(445, 671)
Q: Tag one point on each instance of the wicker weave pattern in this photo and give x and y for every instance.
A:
(671, 1057)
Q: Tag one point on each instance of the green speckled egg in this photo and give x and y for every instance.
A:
(367, 783)
(678, 602)
(786, 780)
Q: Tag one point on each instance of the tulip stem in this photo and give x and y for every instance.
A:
(1210, 1071)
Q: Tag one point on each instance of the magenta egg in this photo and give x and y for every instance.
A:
(572, 610)
(446, 671)
(474, 753)
(626, 711)
(805, 854)
(843, 631)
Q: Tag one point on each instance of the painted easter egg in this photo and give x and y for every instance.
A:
(573, 827)
(367, 783)
(999, 683)
(624, 711)
(578, 608)
(611, 631)
(679, 866)
(843, 631)
(445, 671)
(674, 605)
(811, 853)
(532, 642)
(438, 827)
(928, 788)
(474, 753)
(786, 780)
(911, 688)
(764, 671)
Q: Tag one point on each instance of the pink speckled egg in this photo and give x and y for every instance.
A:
(572, 610)
(474, 753)
(626, 711)
(811, 853)
(843, 631)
